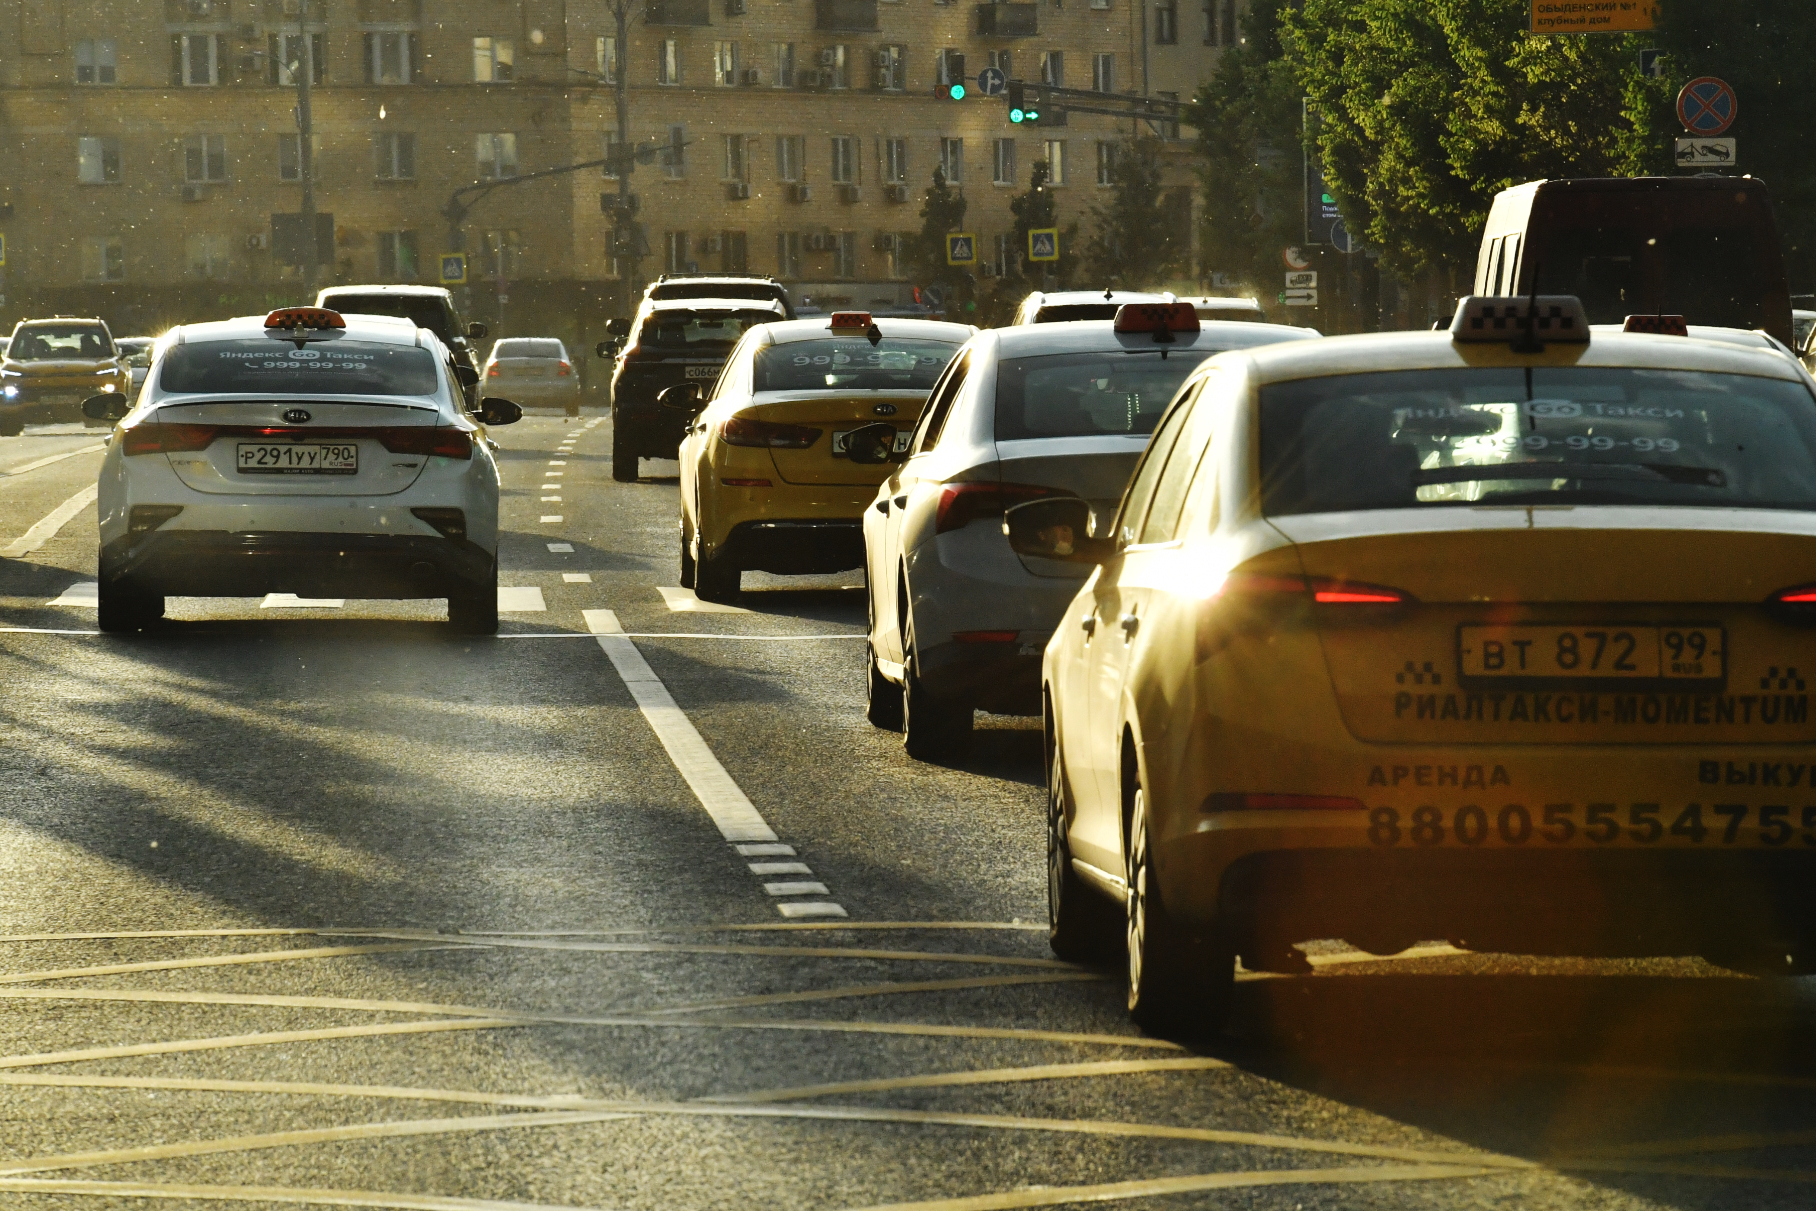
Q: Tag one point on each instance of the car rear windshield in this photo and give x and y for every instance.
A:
(679, 329)
(1088, 394)
(47, 343)
(1459, 437)
(892, 364)
(716, 290)
(423, 312)
(1076, 311)
(269, 366)
(528, 347)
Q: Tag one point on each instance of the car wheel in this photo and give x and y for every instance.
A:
(1082, 925)
(933, 728)
(1179, 985)
(624, 458)
(121, 610)
(882, 697)
(717, 578)
(475, 612)
(687, 557)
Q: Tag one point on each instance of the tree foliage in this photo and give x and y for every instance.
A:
(942, 211)
(1034, 209)
(1137, 239)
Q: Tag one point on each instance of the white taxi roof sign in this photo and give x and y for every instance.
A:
(304, 317)
(1546, 317)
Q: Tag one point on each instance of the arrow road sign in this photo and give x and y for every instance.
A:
(961, 249)
(1302, 280)
(990, 81)
(1707, 106)
(1300, 298)
(1703, 153)
(1652, 63)
(1043, 244)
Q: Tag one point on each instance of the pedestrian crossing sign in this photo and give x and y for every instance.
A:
(453, 268)
(1043, 244)
(961, 248)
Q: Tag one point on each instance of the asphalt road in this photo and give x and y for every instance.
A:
(320, 904)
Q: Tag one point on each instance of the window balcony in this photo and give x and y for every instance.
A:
(677, 12)
(856, 16)
(1008, 20)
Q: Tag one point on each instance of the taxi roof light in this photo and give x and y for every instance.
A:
(1661, 325)
(1486, 319)
(305, 317)
(850, 321)
(1162, 319)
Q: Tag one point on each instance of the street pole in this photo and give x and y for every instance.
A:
(305, 124)
(621, 96)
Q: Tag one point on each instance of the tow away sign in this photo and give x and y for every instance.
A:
(1705, 153)
(1302, 279)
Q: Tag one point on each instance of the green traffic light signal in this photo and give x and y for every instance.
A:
(1016, 115)
(957, 92)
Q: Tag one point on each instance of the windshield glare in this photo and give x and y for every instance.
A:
(678, 329)
(852, 362)
(266, 365)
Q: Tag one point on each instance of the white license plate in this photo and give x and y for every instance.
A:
(1610, 652)
(295, 458)
(839, 436)
(703, 372)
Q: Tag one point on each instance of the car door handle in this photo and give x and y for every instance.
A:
(1130, 624)
(1089, 623)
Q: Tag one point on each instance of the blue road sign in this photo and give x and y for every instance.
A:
(1043, 244)
(991, 81)
(453, 268)
(961, 248)
(1340, 238)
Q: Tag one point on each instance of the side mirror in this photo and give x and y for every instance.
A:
(1058, 527)
(871, 445)
(111, 406)
(606, 349)
(466, 376)
(684, 397)
(619, 328)
(476, 331)
(495, 411)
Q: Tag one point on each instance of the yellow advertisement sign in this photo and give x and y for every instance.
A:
(1593, 16)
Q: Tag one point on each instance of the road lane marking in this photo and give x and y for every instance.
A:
(290, 601)
(550, 518)
(811, 908)
(1052, 1196)
(551, 500)
(48, 526)
(55, 458)
(554, 474)
(735, 815)
(778, 868)
(521, 601)
(266, 1039)
(767, 850)
(356, 932)
(270, 1194)
(648, 635)
(265, 956)
(577, 578)
(874, 990)
(796, 887)
(179, 1084)
(83, 595)
(562, 548)
(682, 600)
(983, 1076)
(558, 464)
(44, 631)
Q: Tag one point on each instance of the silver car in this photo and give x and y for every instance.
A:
(958, 620)
(533, 371)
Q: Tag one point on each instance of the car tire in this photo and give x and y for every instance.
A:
(624, 458)
(933, 728)
(1180, 985)
(475, 612)
(717, 578)
(882, 697)
(120, 610)
(1083, 925)
(687, 557)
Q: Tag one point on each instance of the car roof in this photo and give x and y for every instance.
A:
(1069, 298)
(734, 304)
(1220, 302)
(1085, 336)
(43, 321)
(380, 329)
(709, 278)
(419, 291)
(815, 327)
(1372, 352)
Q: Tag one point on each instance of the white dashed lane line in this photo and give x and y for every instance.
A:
(577, 578)
(290, 601)
(521, 601)
(83, 595)
(550, 518)
(683, 601)
(562, 548)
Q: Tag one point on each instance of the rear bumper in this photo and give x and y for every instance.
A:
(796, 548)
(1002, 678)
(219, 563)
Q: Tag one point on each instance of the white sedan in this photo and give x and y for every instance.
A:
(304, 453)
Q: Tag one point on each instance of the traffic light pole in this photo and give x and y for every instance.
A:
(1034, 100)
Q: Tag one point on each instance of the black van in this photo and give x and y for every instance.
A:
(1702, 247)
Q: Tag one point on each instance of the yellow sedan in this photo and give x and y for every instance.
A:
(1495, 635)
(767, 482)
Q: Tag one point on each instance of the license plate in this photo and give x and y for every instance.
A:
(1687, 656)
(703, 372)
(839, 436)
(288, 458)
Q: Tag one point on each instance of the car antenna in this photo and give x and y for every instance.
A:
(1106, 293)
(1529, 342)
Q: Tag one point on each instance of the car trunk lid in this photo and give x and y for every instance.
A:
(1095, 468)
(836, 414)
(261, 448)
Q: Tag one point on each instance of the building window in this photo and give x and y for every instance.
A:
(674, 156)
(1103, 73)
(845, 255)
(1166, 23)
(788, 254)
(952, 160)
(895, 161)
(668, 61)
(198, 59)
(1106, 162)
(284, 59)
(205, 158)
(844, 160)
(734, 252)
(1228, 22)
(1169, 127)
(205, 254)
(1100, 3)
(674, 248)
(892, 68)
(95, 61)
(790, 151)
(289, 156)
(737, 158)
(396, 156)
(494, 60)
(1004, 62)
(1053, 68)
(98, 161)
(950, 68)
(725, 64)
(605, 57)
(1219, 22)
(496, 155)
(397, 256)
(1003, 166)
(785, 64)
(390, 57)
(610, 149)
(502, 248)
(103, 259)
(1056, 161)
(835, 67)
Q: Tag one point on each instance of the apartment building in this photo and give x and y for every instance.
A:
(150, 143)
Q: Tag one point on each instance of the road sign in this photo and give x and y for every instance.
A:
(990, 81)
(1302, 279)
(961, 248)
(1652, 63)
(1707, 106)
(1043, 244)
(1295, 258)
(1300, 298)
(1705, 153)
(2, 251)
(453, 268)
(1601, 17)
(1341, 239)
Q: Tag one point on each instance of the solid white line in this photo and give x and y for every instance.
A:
(84, 594)
(800, 887)
(43, 631)
(55, 458)
(267, 1194)
(577, 578)
(780, 868)
(47, 528)
(290, 601)
(562, 548)
(810, 908)
(772, 850)
(521, 601)
(737, 818)
(548, 518)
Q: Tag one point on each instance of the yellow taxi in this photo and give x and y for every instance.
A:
(1504, 635)
(51, 366)
(767, 480)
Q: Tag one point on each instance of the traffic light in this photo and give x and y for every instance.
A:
(1020, 110)
(956, 92)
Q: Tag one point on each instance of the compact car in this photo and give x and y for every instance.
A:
(671, 341)
(532, 371)
(1062, 306)
(301, 452)
(767, 479)
(51, 366)
(1502, 635)
(958, 620)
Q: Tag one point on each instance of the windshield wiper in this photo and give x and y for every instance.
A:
(1696, 477)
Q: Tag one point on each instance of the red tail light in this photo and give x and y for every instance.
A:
(1281, 803)
(1803, 594)
(563, 370)
(748, 431)
(439, 443)
(1248, 604)
(962, 504)
(1323, 589)
(153, 438)
(492, 373)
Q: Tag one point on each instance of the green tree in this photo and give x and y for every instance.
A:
(1034, 209)
(942, 211)
(1138, 237)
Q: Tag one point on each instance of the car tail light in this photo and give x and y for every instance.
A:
(449, 523)
(1802, 595)
(748, 431)
(562, 370)
(984, 636)
(154, 438)
(1281, 803)
(426, 441)
(962, 504)
(1249, 603)
(492, 373)
(1323, 590)
(145, 518)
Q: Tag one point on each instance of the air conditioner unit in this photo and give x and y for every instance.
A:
(715, 243)
(828, 57)
(885, 58)
(752, 76)
(884, 77)
(737, 191)
(734, 8)
(851, 193)
(258, 239)
(195, 193)
(800, 193)
(895, 193)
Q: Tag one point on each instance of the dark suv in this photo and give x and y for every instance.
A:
(671, 341)
(429, 307)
